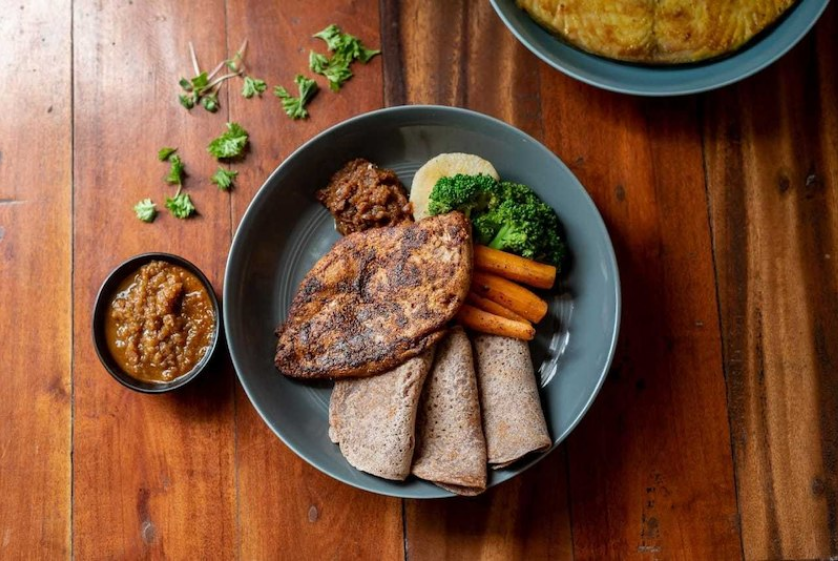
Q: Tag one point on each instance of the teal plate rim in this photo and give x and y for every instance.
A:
(661, 81)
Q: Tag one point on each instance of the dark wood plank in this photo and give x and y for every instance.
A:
(526, 518)
(287, 508)
(651, 473)
(153, 475)
(773, 172)
(35, 295)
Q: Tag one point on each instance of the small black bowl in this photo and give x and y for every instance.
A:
(103, 300)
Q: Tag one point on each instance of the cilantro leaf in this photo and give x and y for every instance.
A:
(346, 48)
(164, 153)
(317, 62)
(180, 205)
(187, 101)
(364, 54)
(332, 36)
(199, 82)
(295, 106)
(176, 171)
(230, 144)
(185, 84)
(210, 102)
(146, 210)
(224, 178)
(337, 73)
(253, 86)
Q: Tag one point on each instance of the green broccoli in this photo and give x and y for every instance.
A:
(504, 215)
(466, 193)
(528, 228)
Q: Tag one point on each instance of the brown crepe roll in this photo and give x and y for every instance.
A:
(373, 419)
(450, 448)
(513, 421)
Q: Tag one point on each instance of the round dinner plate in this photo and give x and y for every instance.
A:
(285, 231)
(663, 80)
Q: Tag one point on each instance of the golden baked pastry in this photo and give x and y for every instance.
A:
(656, 31)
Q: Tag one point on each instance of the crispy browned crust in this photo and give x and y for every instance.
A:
(378, 298)
(656, 31)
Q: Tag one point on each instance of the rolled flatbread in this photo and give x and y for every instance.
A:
(450, 448)
(373, 419)
(513, 421)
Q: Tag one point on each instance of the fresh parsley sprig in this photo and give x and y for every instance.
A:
(176, 170)
(224, 178)
(295, 107)
(253, 86)
(180, 205)
(230, 144)
(146, 210)
(203, 88)
(346, 49)
(164, 153)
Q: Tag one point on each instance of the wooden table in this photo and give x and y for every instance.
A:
(714, 437)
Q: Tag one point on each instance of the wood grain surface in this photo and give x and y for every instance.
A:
(714, 437)
(154, 476)
(35, 265)
(520, 520)
(772, 161)
(651, 473)
(296, 511)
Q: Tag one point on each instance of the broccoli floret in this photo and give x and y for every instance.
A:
(466, 193)
(524, 225)
(504, 215)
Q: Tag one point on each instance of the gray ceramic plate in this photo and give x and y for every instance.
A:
(662, 80)
(285, 231)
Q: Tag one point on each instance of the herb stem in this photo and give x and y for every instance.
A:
(221, 79)
(194, 59)
(215, 71)
(240, 52)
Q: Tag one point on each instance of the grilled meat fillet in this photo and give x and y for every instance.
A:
(656, 31)
(378, 298)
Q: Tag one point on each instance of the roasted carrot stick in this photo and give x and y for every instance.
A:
(493, 307)
(514, 267)
(509, 295)
(484, 322)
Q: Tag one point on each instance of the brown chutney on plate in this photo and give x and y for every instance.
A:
(160, 322)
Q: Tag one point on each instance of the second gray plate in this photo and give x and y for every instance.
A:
(285, 230)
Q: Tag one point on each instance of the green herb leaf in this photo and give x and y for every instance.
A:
(180, 205)
(346, 48)
(253, 86)
(200, 82)
(295, 106)
(210, 102)
(175, 176)
(164, 153)
(187, 101)
(332, 36)
(224, 178)
(230, 144)
(364, 54)
(146, 210)
(185, 84)
(337, 73)
(317, 62)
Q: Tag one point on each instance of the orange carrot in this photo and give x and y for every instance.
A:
(493, 307)
(514, 267)
(484, 322)
(509, 295)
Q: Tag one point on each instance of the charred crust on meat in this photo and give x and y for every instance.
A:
(377, 299)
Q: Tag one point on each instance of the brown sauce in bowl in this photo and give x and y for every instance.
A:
(160, 323)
